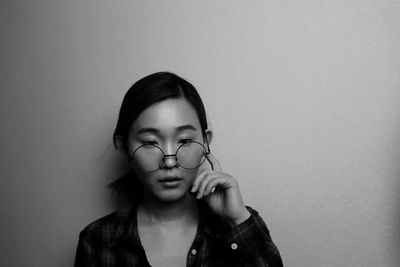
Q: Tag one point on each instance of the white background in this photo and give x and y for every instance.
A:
(303, 97)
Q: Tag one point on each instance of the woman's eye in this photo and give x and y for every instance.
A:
(153, 143)
(185, 141)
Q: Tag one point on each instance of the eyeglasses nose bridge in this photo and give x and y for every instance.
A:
(169, 155)
(166, 149)
(164, 160)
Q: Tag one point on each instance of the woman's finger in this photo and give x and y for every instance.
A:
(200, 176)
(204, 182)
(211, 186)
(219, 180)
(215, 165)
(223, 182)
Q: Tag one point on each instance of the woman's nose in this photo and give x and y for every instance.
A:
(169, 161)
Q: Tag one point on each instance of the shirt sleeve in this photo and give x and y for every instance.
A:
(85, 254)
(251, 245)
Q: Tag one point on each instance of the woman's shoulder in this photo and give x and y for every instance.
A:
(111, 223)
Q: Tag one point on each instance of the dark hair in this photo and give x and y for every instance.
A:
(147, 91)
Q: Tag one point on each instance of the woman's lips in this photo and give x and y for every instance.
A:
(170, 182)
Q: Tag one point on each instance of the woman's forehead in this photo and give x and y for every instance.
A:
(168, 115)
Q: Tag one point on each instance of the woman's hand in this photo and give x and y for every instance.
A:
(221, 192)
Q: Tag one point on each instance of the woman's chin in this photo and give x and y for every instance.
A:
(172, 195)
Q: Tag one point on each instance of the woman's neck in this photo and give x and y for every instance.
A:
(156, 211)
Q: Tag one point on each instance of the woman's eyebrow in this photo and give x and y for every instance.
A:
(186, 127)
(148, 130)
(158, 131)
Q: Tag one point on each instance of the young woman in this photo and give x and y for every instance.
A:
(183, 212)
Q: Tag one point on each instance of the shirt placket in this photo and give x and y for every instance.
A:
(195, 251)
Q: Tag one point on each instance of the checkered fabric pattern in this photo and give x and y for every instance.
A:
(114, 241)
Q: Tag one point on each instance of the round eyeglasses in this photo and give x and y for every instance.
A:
(149, 157)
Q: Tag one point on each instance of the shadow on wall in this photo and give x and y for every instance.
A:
(123, 187)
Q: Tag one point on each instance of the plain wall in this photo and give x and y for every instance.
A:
(303, 97)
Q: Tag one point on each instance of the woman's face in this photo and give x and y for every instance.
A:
(167, 124)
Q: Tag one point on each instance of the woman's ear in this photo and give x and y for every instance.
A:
(209, 135)
(120, 145)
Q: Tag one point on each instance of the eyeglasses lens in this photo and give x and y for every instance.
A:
(190, 155)
(148, 157)
(151, 158)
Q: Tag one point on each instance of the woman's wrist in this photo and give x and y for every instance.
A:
(243, 217)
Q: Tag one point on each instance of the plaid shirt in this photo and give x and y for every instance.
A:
(114, 241)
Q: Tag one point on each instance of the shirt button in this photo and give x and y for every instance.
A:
(194, 252)
(234, 246)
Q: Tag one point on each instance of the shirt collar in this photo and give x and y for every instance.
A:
(127, 231)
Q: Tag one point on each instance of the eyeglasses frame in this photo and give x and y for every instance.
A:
(132, 155)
